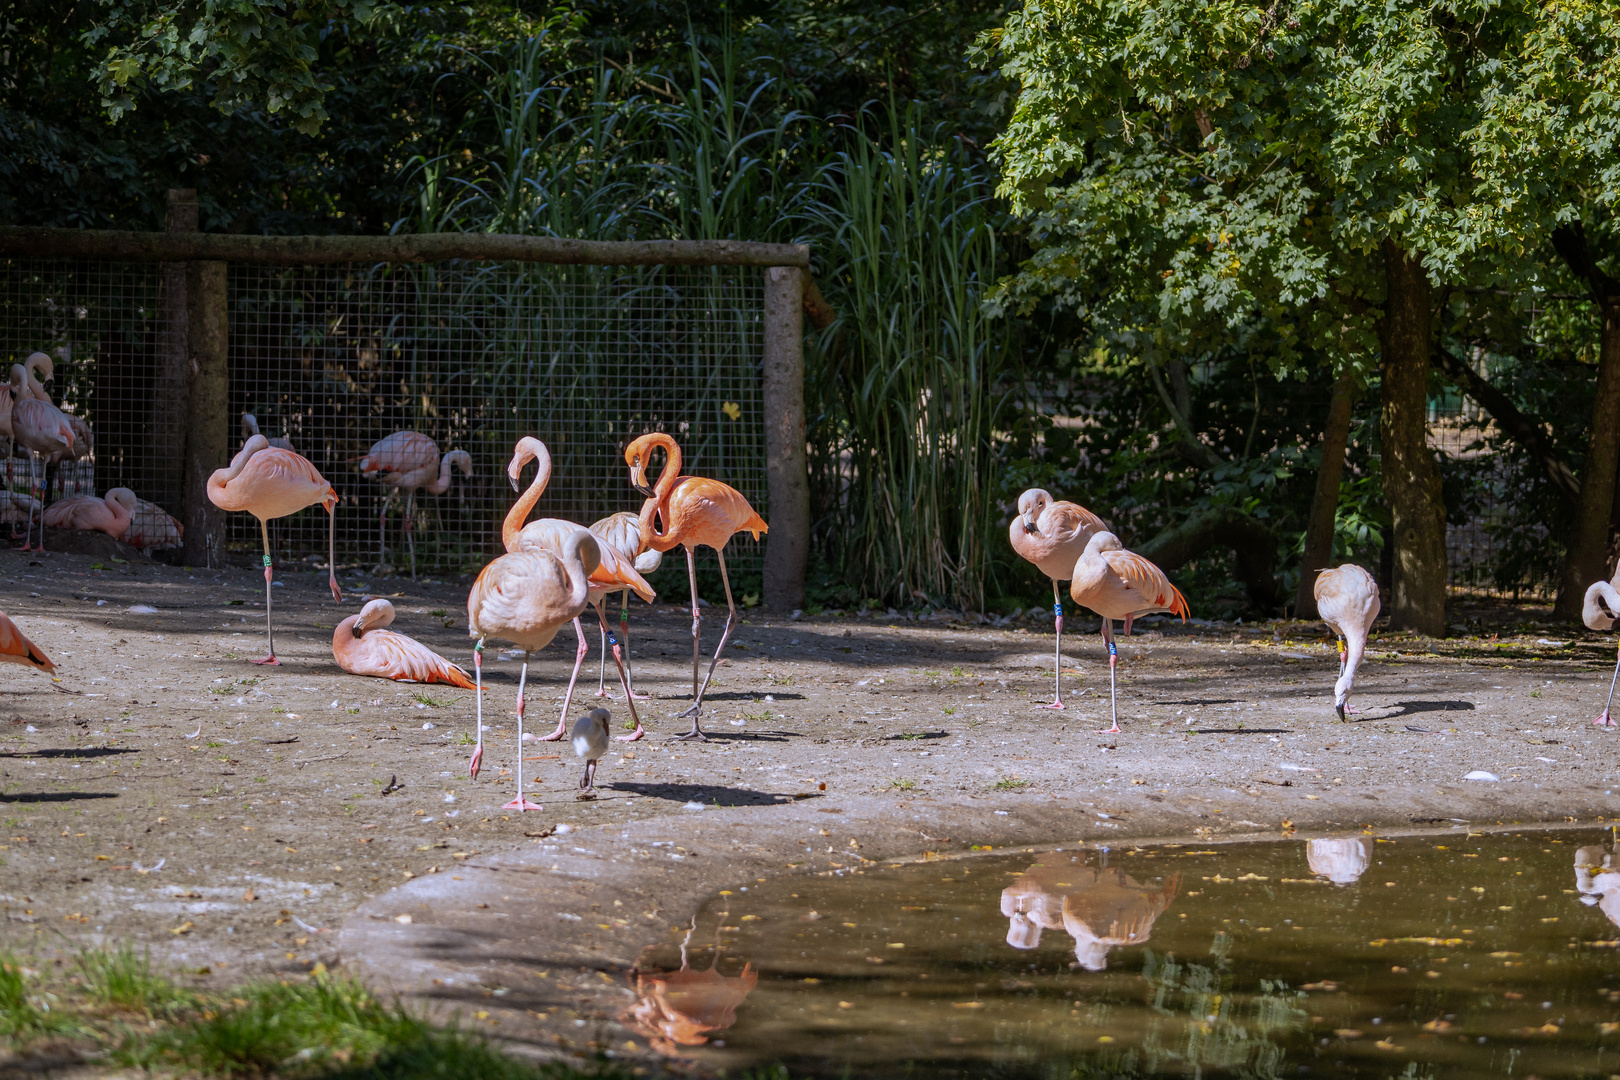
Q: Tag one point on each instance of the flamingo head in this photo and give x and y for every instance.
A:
(638, 455)
(376, 613)
(528, 449)
(1030, 506)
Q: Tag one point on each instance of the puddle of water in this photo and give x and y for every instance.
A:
(1415, 957)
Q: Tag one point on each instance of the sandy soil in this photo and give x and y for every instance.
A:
(168, 792)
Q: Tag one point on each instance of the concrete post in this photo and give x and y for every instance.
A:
(166, 424)
(207, 421)
(787, 473)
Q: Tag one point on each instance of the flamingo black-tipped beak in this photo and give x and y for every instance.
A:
(1340, 710)
(644, 490)
(1029, 526)
(514, 481)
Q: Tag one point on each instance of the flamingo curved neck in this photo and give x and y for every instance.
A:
(442, 484)
(658, 505)
(520, 509)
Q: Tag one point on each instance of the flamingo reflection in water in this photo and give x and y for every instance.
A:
(686, 1007)
(1100, 906)
(1340, 859)
(1598, 880)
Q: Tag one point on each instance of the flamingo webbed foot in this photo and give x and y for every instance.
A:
(586, 795)
(1115, 730)
(553, 737)
(1058, 704)
(522, 803)
(1604, 720)
(633, 736)
(636, 694)
(269, 661)
(690, 735)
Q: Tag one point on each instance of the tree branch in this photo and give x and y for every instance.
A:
(1522, 429)
(1570, 243)
(1201, 454)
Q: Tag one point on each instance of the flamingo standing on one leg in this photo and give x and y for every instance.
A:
(15, 648)
(1120, 584)
(1347, 600)
(622, 531)
(110, 514)
(695, 510)
(42, 429)
(525, 597)
(1053, 536)
(361, 646)
(406, 461)
(1600, 611)
(269, 483)
(614, 571)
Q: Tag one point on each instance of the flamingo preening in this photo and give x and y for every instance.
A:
(153, 528)
(250, 428)
(694, 510)
(525, 597)
(614, 570)
(1347, 600)
(110, 514)
(1599, 611)
(1120, 584)
(407, 461)
(362, 645)
(43, 430)
(622, 531)
(15, 648)
(270, 483)
(1053, 536)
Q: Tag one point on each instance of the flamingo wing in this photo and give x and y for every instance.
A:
(1148, 582)
(401, 452)
(1067, 519)
(618, 570)
(15, 647)
(388, 655)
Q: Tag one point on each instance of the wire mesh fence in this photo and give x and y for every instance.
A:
(471, 355)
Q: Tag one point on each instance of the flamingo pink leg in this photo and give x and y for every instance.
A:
(1057, 662)
(601, 664)
(624, 632)
(478, 681)
(268, 629)
(624, 681)
(568, 698)
(696, 711)
(33, 488)
(521, 802)
(410, 538)
(1113, 660)
(1604, 719)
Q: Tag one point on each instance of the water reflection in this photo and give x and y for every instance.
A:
(1598, 880)
(685, 1007)
(1342, 860)
(1100, 906)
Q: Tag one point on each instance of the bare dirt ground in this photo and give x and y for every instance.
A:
(167, 792)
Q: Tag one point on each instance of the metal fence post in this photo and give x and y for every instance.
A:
(207, 421)
(166, 423)
(787, 475)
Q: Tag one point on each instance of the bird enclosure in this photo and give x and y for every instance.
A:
(471, 353)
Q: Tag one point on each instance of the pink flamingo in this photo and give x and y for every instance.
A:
(1600, 611)
(15, 648)
(153, 528)
(43, 430)
(525, 597)
(614, 571)
(1347, 600)
(622, 531)
(16, 509)
(1053, 536)
(110, 514)
(1120, 584)
(270, 483)
(695, 510)
(361, 646)
(406, 461)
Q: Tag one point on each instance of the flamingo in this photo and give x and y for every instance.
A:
(270, 483)
(41, 370)
(695, 510)
(1120, 584)
(15, 508)
(525, 597)
(1600, 611)
(591, 742)
(42, 429)
(685, 1007)
(622, 531)
(153, 528)
(1340, 859)
(1053, 536)
(15, 648)
(614, 571)
(110, 514)
(361, 646)
(250, 428)
(406, 461)
(1347, 600)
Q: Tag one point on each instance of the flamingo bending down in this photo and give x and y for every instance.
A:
(1600, 611)
(110, 514)
(622, 532)
(614, 571)
(406, 461)
(1120, 584)
(1053, 536)
(42, 429)
(695, 510)
(269, 483)
(15, 648)
(361, 646)
(1347, 600)
(525, 597)
(153, 528)
(591, 742)
(250, 428)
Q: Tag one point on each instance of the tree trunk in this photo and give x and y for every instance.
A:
(1325, 504)
(1588, 554)
(1411, 478)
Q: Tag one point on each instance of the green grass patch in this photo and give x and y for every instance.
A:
(124, 979)
(27, 1012)
(1010, 783)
